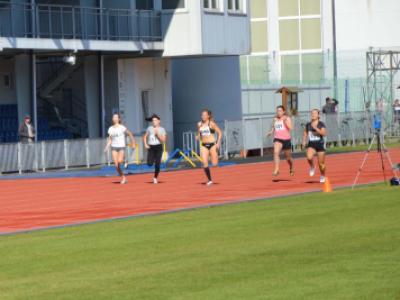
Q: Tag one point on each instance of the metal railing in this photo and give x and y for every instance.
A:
(250, 133)
(76, 22)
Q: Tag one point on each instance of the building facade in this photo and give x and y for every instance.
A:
(71, 64)
(318, 46)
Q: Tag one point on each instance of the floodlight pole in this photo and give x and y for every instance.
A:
(335, 83)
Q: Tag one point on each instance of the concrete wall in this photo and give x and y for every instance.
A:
(145, 74)
(208, 82)
(7, 94)
(92, 95)
(23, 85)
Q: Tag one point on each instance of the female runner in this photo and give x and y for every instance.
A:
(281, 126)
(209, 145)
(314, 132)
(117, 141)
(153, 140)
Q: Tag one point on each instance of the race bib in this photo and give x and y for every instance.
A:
(313, 138)
(279, 126)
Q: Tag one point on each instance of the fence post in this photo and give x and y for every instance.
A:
(66, 154)
(261, 139)
(36, 162)
(43, 156)
(87, 153)
(19, 157)
(226, 154)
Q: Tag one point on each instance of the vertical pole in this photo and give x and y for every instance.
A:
(335, 83)
(19, 157)
(34, 96)
(66, 154)
(43, 156)
(261, 139)
(226, 154)
(102, 96)
(87, 153)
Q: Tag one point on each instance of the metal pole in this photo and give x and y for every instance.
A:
(335, 83)
(34, 96)
(102, 96)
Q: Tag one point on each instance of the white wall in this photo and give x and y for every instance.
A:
(136, 75)
(193, 31)
(225, 33)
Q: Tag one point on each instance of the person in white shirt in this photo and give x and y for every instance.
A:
(153, 140)
(117, 141)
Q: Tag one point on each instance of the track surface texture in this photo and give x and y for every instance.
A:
(31, 204)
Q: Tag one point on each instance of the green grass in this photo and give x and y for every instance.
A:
(351, 148)
(344, 245)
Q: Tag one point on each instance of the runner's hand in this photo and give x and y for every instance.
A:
(147, 146)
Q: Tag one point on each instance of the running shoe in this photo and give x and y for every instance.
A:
(209, 183)
(275, 173)
(322, 179)
(291, 172)
(312, 171)
(124, 180)
(155, 181)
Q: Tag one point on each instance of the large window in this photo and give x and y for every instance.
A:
(145, 4)
(211, 4)
(173, 4)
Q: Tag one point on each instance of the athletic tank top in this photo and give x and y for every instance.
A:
(282, 132)
(205, 130)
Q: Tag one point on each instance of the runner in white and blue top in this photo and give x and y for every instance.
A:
(313, 140)
(153, 140)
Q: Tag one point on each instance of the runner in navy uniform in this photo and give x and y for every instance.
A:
(314, 133)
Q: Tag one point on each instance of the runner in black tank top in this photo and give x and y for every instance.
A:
(313, 140)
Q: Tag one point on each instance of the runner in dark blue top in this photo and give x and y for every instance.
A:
(313, 139)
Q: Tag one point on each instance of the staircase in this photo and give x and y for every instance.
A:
(57, 79)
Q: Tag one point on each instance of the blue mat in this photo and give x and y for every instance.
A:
(106, 171)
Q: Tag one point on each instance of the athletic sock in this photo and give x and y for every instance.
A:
(208, 173)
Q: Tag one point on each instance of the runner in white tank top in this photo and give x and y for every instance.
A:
(117, 142)
(281, 127)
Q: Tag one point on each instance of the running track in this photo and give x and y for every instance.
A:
(30, 204)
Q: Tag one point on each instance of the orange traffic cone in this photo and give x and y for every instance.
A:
(327, 188)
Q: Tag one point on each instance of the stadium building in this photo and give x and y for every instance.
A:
(71, 63)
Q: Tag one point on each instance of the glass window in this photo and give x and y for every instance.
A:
(211, 4)
(288, 8)
(289, 35)
(311, 34)
(313, 68)
(310, 7)
(290, 68)
(144, 4)
(258, 8)
(173, 4)
(258, 69)
(259, 40)
(236, 6)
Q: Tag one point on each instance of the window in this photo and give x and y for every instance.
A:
(144, 4)
(173, 4)
(259, 41)
(258, 9)
(236, 6)
(211, 4)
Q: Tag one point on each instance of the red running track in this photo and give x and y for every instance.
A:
(29, 204)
